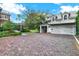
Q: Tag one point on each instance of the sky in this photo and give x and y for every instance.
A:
(52, 8)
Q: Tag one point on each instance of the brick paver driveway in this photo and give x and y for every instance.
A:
(38, 44)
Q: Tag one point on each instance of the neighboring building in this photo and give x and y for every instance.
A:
(63, 23)
(4, 16)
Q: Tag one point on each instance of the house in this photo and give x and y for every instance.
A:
(63, 23)
(4, 16)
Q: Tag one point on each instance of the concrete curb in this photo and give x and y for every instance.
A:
(77, 42)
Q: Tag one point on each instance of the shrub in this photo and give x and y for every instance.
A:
(7, 33)
(27, 30)
(23, 30)
(4, 33)
(8, 26)
(1, 29)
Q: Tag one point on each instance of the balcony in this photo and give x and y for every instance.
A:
(3, 19)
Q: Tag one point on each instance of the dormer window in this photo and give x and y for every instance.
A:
(65, 17)
(56, 17)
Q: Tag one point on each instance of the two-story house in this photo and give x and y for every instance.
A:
(4, 16)
(63, 23)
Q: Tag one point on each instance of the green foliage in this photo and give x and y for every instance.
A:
(16, 26)
(7, 33)
(4, 33)
(8, 26)
(7, 29)
(34, 31)
(77, 24)
(1, 29)
(15, 33)
(33, 21)
(25, 30)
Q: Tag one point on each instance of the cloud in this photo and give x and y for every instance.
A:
(69, 8)
(13, 8)
(9, 1)
(57, 3)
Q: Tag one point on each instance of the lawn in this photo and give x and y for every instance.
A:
(33, 31)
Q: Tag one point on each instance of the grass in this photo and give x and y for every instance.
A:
(34, 31)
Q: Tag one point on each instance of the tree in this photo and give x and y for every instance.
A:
(19, 17)
(77, 23)
(33, 20)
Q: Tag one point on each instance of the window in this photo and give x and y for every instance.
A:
(53, 19)
(6, 16)
(56, 17)
(3, 16)
(0, 16)
(47, 17)
(65, 17)
(0, 9)
(69, 14)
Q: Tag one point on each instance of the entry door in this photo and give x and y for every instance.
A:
(44, 29)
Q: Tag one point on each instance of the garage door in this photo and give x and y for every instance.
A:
(63, 29)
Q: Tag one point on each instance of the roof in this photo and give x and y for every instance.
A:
(4, 11)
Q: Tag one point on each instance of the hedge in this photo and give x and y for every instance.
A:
(7, 33)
